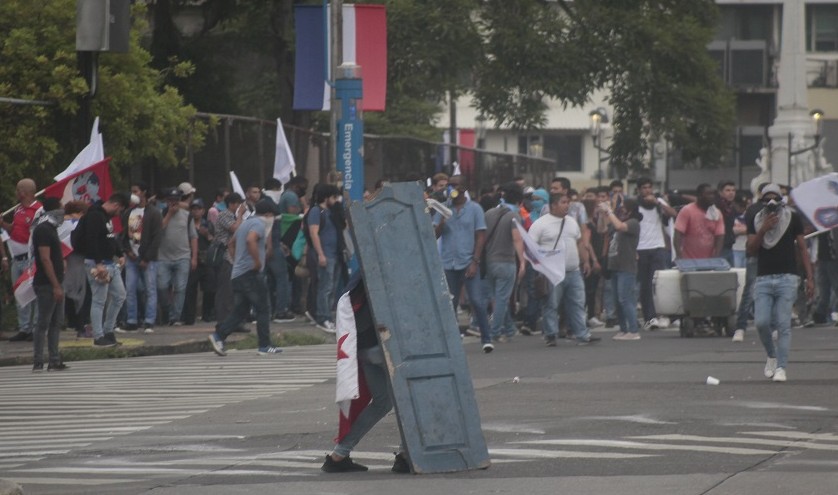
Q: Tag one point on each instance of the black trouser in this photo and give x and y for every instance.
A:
(203, 277)
(648, 261)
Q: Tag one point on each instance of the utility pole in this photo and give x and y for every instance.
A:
(336, 50)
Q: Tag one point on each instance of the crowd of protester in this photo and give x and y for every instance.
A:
(279, 254)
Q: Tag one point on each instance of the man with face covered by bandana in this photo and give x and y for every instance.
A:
(772, 235)
(250, 288)
(49, 275)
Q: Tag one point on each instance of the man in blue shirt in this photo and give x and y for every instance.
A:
(461, 244)
(324, 251)
(250, 289)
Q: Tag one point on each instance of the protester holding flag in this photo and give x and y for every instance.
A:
(49, 275)
(363, 383)
(19, 229)
(772, 235)
(94, 238)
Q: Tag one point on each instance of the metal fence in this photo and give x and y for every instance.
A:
(246, 145)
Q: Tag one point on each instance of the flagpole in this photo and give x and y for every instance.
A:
(42, 191)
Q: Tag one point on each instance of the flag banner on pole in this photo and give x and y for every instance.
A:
(284, 163)
(90, 184)
(364, 43)
(93, 153)
(237, 186)
(351, 393)
(24, 292)
(550, 263)
(818, 200)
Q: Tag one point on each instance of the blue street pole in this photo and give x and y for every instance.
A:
(350, 130)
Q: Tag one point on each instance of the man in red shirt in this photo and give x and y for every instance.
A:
(700, 227)
(19, 231)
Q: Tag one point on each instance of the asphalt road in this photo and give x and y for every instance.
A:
(617, 417)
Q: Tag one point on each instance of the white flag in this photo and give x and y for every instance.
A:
(284, 159)
(818, 200)
(347, 387)
(93, 153)
(550, 263)
(237, 186)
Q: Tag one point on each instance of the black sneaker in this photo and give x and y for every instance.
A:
(550, 341)
(400, 465)
(104, 341)
(488, 347)
(57, 367)
(112, 338)
(345, 465)
(38, 367)
(128, 327)
(21, 337)
(284, 317)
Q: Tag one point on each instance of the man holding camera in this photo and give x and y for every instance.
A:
(772, 235)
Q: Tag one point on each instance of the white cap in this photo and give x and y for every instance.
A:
(186, 188)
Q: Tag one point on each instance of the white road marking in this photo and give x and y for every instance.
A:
(622, 444)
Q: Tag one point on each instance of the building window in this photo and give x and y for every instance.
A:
(822, 28)
(566, 150)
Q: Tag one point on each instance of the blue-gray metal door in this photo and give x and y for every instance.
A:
(411, 305)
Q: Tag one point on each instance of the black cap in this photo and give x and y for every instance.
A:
(172, 192)
(197, 203)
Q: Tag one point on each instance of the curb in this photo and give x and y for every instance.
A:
(10, 488)
(146, 350)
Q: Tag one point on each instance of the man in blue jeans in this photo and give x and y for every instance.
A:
(250, 287)
(324, 251)
(177, 256)
(772, 235)
(548, 231)
(461, 244)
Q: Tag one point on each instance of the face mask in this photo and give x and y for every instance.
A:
(55, 217)
(269, 224)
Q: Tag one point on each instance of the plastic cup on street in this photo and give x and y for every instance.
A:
(712, 381)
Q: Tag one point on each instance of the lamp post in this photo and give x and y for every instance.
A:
(817, 116)
(598, 117)
(480, 143)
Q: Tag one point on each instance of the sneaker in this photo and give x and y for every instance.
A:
(217, 345)
(345, 465)
(770, 367)
(400, 465)
(129, 327)
(550, 341)
(488, 347)
(590, 340)
(652, 324)
(284, 317)
(103, 342)
(473, 331)
(779, 375)
(738, 335)
(148, 329)
(525, 330)
(57, 367)
(610, 322)
(327, 326)
(619, 336)
(38, 367)
(631, 336)
(112, 338)
(177, 323)
(264, 351)
(663, 321)
(310, 318)
(21, 337)
(594, 322)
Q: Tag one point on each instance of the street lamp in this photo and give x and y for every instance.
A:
(598, 117)
(817, 116)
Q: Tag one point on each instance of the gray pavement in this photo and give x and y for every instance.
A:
(616, 417)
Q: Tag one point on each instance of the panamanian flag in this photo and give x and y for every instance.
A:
(364, 43)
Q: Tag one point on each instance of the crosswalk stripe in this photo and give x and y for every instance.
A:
(750, 441)
(621, 444)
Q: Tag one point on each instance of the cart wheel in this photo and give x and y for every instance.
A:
(730, 326)
(687, 327)
(719, 325)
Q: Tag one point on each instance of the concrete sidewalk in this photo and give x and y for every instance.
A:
(164, 340)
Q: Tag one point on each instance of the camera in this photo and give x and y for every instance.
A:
(773, 206)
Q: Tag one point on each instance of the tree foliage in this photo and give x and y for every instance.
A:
(142, 119)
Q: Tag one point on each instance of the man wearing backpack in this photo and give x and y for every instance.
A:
(324, 241)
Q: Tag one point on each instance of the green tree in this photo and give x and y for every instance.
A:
(142, 119)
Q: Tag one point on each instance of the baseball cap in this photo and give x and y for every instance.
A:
(772, 189)
(186, 188)
(197, 202)
(529, 190)
(172, 192)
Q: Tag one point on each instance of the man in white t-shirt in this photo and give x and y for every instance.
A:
(548, 231)
(653, 248)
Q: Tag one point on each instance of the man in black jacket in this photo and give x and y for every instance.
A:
(94, 239)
